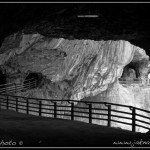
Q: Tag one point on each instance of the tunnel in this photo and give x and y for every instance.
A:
(33, 80)
(130, 72)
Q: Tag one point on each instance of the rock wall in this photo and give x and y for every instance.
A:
(75, 69)
(81, 67)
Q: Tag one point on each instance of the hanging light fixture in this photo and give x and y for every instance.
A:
(87, 16)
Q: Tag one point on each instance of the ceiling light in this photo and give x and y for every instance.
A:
(87, 16)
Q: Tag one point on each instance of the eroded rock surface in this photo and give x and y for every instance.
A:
(74, 69)
(78, 69)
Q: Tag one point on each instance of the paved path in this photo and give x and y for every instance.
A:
(48, 132)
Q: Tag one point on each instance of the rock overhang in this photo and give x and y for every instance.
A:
(116, 21)
(80, 59)
(90, 66)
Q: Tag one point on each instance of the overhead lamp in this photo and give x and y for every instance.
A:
(87, 16)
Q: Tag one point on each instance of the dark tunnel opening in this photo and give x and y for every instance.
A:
(33, 80)
(130, 72)
(2, 78)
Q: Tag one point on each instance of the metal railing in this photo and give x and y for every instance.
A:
(86, 111)
(15, 87)
(138, 81)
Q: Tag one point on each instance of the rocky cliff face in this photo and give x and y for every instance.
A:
(76, 69)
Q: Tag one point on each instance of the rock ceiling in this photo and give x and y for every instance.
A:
(116, 21)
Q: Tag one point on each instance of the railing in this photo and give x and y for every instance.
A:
(138, 81)
(14, 87)
(90, 112)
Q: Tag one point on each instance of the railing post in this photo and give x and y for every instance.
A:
(109, 116)
(15, 88)
(29, 85)
(40, 108)
(55, 110)
(27, 106)
(35, 83)
(17, 104)
(133, 119)
(5, 89)
(72, 111)
(7, 103)
(90, 113)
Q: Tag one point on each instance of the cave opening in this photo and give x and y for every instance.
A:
(130, 73)
(33, 80)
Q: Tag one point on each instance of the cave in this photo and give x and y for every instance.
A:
(34, 78)
(77, 61)
(130, 73)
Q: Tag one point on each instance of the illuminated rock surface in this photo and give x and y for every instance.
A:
(76, 69)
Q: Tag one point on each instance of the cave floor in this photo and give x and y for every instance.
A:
(21, 130)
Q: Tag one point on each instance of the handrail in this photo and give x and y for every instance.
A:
(56, 109)
(14, 87)
(4, 85)
(130, 82)
(57, 100)
(18, 85)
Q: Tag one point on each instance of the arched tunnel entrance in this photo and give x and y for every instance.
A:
(32, 80)
(130, 73)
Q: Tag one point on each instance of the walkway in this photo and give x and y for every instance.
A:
(37, 131)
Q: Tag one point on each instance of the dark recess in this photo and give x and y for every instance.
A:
(2, 78)
(33, 76)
